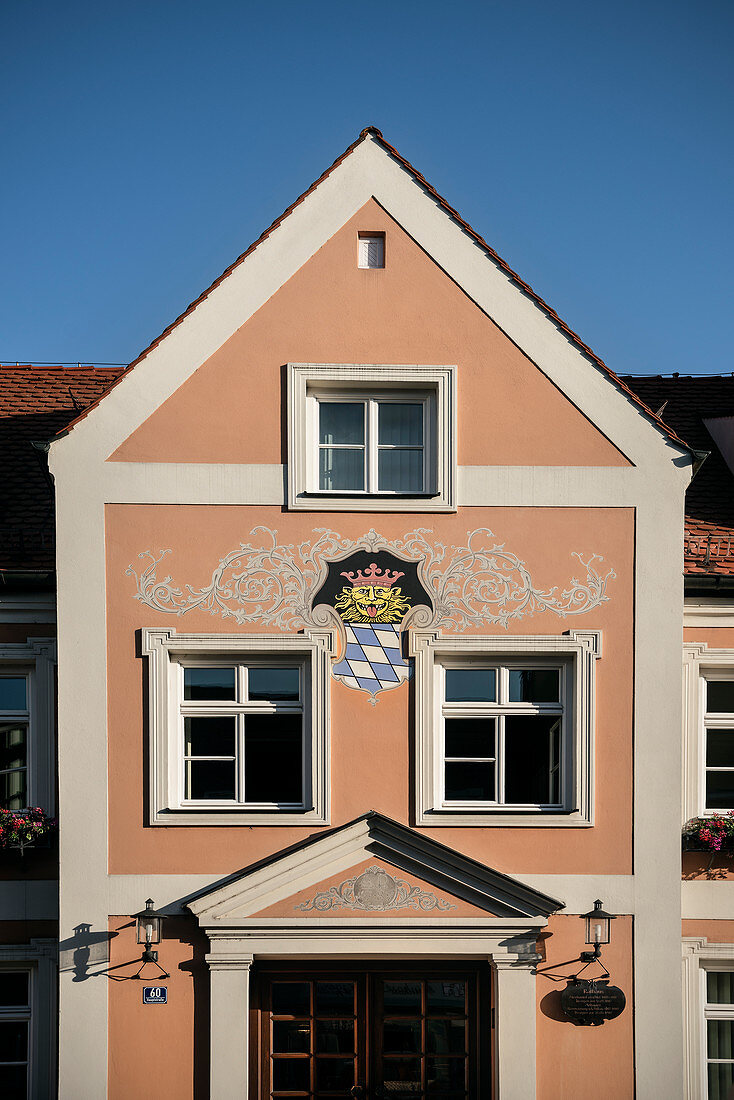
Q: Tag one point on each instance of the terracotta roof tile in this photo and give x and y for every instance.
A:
(36, 403)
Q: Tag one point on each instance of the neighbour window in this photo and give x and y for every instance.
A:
(505, 728)
(15, 1033)
(242, 729)
(719, 1023)
(26, 724)
(371, 437)
(502, 734)
(238, 727)
(708, 730)
(371, 250)
(14, 728)
(719, 735)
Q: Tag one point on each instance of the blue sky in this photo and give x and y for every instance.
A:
(144, 145)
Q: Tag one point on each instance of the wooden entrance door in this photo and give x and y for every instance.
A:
(338, 1032)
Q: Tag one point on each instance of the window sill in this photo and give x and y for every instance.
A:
(520, 819)
(370, 502)
(231, 817)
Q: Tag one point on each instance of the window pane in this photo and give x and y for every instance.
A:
(720, 748)
(291, 998)
(471, 685)
(14, 1083)
(720, 790)
(13, 1040)
(528, 749)
(720, 1081)
(210, 779)
(720, 1038)
(342, 469)
(273, 758)
(720, 987)
(13, 790)
(291, 1037)
(446, 998)
(209, 683)
(401, 998)
(13, 737)
(534, 685)
(400, 425)
(335, 1036)
(291, 1074)
(273, 683)
(470, 782)
(13, 988)
(209, 736)
(400, 471)
(335, 998)
(341, 422)
(12, 693)
(720, 696)
(470, 737)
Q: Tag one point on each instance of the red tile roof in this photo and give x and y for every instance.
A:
(686, 401)
(36, 403)
(377, 135)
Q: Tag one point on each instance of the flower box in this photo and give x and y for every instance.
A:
(713, 834)
(21, 829)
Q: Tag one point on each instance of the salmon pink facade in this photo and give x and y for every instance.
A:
(370, 604)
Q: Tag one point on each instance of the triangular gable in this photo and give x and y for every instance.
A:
(372, 168)
(300, 873)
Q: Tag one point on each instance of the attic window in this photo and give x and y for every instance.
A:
(371, 250)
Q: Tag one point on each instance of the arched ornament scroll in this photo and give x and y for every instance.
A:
(372, 589)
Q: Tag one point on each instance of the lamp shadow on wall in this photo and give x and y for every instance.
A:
(84, 951)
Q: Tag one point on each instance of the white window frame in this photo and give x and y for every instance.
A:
(576, 652)
(39, 960)
(700, 664)
(36, 659)
(700, 956)
(166, 652)
(434, 386)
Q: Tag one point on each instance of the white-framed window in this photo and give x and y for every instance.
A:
(371, 437)
(708, 730)
(239, 727)
(371, 250)
(27, 1019)
(504, 728)
(708, 1009)
(26, 724)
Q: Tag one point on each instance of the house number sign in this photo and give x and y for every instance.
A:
(591, 1002)
(155, 995)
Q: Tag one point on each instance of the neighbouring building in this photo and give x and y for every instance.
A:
(369, 584)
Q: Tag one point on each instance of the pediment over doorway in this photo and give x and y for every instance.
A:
(372, 867)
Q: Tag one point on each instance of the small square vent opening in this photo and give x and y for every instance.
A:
(371, 250)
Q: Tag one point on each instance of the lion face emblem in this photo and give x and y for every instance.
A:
(371, 604)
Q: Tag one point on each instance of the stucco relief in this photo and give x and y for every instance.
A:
(374, 890)
(371, 589)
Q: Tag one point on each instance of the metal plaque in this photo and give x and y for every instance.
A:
(590, 1001)
(155, 995)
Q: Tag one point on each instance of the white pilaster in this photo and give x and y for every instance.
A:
(230, 1014)
(514, 1021)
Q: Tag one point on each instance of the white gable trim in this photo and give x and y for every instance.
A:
(368, 171)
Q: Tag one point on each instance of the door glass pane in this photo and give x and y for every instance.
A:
(209, 736)
(213, 779)
(400, 425)
(720, 748)
(720, 696)
(720, 987)
(334, 1073)
(528, 752)
(470, 737)
(341, 422)
(291, 998)
(720, 790)
(469, 782)
(446, 1036)
(341, 469)
(402, 1036)
(273, 765)
(335, 1036)
(291, 1074)
(400, 471)
(446, 1073)
(446, 998)
(335, 998)
(534, 685)
(13, 693)
(291, 1037)
(398, 1071)
(471, 685)
(399, 998)
(209, 683)
(278, 684)
(13, 988)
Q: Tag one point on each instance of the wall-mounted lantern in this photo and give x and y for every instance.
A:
(148, 925)
(598, 930)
